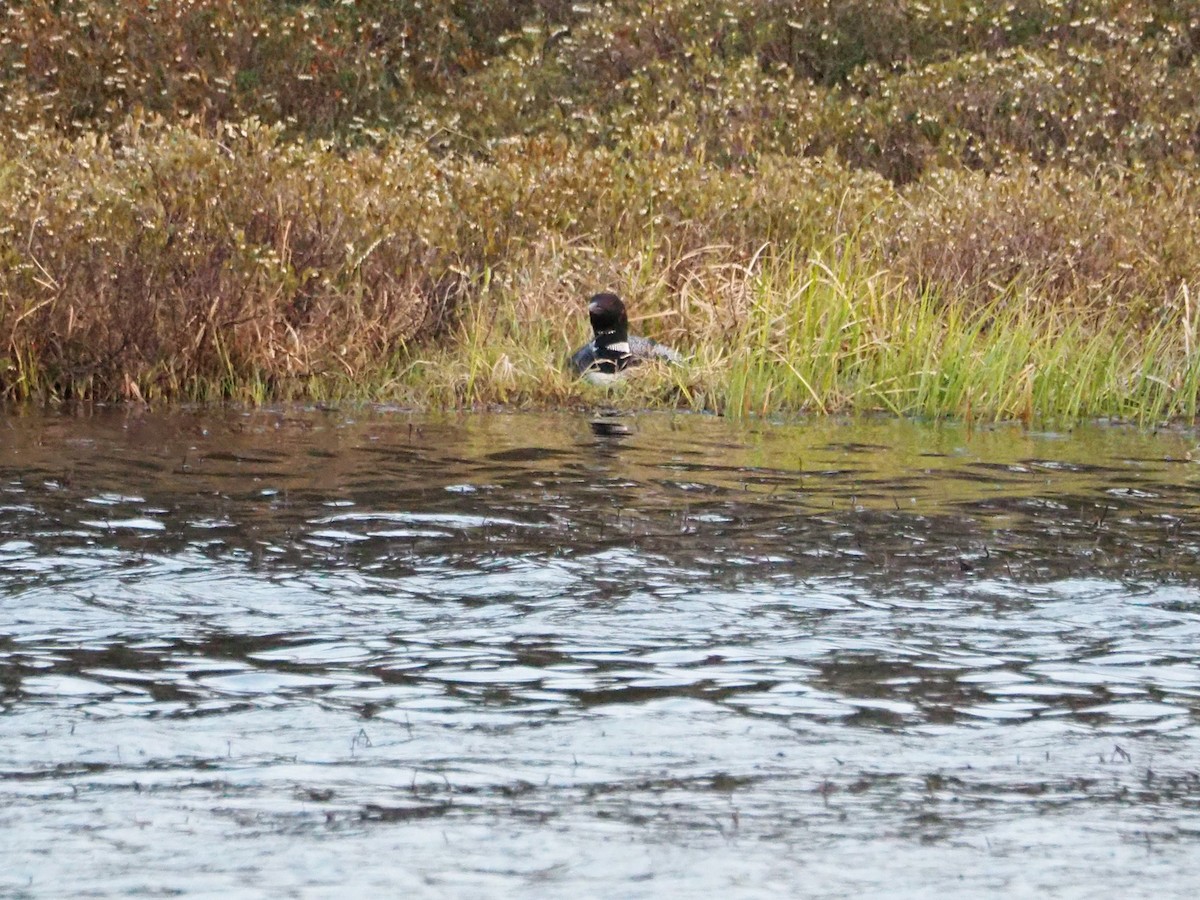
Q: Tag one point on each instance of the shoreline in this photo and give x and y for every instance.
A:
(973, 211)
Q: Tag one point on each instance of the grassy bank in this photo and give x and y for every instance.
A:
(979, 210)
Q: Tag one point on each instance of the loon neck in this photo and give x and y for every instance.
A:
(614, 338)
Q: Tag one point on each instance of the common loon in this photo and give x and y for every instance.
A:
(612, 349)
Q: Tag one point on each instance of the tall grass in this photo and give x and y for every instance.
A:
(819, 335)
(825, 338)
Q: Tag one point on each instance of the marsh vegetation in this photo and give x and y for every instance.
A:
(982, 209)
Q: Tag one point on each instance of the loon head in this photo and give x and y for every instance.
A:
(609, 321)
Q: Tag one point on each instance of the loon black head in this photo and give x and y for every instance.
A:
(609, 321)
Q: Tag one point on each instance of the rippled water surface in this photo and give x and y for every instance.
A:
(307, 653)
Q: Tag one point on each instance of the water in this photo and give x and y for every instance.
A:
(317, 654)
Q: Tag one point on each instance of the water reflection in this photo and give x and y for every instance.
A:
(881, 654)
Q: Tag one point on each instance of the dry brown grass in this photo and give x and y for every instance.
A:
(183, 262)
